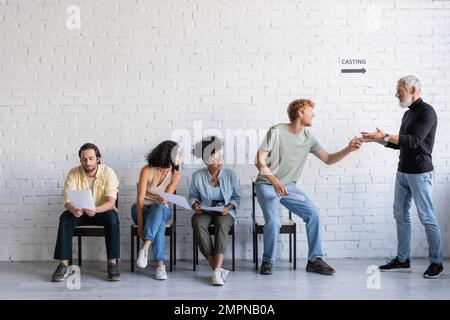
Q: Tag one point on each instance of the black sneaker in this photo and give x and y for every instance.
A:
(113, 272)
(396, 265)
(266, 268)
(435, 270)
(60, 273)
(319, 266)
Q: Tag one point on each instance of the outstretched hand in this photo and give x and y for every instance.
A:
(355, 143)
(376, 136)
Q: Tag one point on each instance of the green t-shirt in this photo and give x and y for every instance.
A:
(288, 153)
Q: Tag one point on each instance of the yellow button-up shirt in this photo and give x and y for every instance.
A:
(105, 184)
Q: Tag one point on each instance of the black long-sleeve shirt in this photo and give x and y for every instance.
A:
(416, 138)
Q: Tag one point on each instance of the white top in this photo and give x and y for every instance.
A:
(153, 190)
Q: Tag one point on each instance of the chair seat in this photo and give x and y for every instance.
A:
(285, 221)
(168, 224)
(89, 231)
(89, 227)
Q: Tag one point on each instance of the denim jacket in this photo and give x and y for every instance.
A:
(200, 189)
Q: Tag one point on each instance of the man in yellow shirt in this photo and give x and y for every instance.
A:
(96, 176)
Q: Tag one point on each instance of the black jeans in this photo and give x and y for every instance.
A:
(67, 223)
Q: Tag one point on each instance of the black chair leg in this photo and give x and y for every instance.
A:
(193, 251)
(79, 251)
(174, 246)
(171, 253)
(233, 250)
(295, 248)
(290, 247)
(196, 252)
(256, 252)
(132, 250)
(137, 245)
(253, 240)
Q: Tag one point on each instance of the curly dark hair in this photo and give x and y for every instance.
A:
(207, 147)
(163, 155)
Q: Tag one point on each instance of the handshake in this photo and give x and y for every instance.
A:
(377, 136)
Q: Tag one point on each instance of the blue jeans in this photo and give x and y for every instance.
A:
(417, 186)
(155, 219)
(269, 202)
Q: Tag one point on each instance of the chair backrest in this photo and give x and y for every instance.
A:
(174, 209)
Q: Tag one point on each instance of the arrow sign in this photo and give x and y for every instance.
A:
(353, 70)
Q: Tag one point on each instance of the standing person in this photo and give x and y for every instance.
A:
(280, 160)
(414, 176)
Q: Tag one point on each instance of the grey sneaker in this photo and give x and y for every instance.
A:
(60, 273)
(319, 266)
(113, 272)
(266, 268)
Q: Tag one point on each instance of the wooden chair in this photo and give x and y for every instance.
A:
(212, 231)
(288, 226)
(171, 232)
(89, 231)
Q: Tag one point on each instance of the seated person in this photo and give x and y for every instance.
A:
(151, 212)
(103, 182)
(213, 186)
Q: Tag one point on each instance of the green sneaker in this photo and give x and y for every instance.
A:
(113, 272)
(60, 273)
(266, 268)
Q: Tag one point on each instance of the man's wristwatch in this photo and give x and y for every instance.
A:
(386, 138)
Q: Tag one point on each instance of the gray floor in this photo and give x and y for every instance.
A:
(30, 280)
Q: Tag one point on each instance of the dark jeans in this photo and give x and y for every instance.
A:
(67, 223)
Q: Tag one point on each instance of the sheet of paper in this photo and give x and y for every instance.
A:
(178, 200)
(81, 199)
(216, 209)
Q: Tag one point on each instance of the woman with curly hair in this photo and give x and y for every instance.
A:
(151, 212)
(213, 186)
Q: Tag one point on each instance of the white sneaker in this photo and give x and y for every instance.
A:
(161, 273)
(217, 278)
(224, 273)
(141, 261)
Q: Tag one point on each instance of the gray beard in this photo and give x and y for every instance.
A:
(405, 104)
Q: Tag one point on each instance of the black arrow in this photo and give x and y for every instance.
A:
(353, 70)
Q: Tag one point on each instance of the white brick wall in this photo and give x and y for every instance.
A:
(137, 70)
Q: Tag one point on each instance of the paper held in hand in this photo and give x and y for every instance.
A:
(176, 199)
(215, 209)
(81, 199)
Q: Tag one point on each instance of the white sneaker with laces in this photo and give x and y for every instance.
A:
(217, 278)
(224, 273)
(142, 259)
(161, 273)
